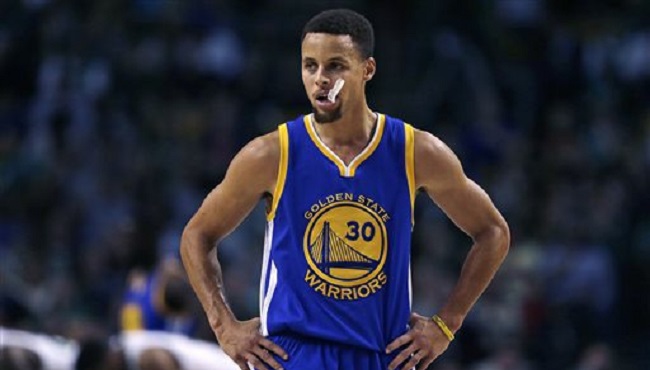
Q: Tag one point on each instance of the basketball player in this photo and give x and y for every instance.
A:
(158, 300)
(172, 351)
(340, 185)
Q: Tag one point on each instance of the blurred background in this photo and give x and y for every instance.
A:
(118, 116)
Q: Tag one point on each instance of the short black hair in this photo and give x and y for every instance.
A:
(18, 358)
(94, 354)
(177, 295)
(91, 354)
(344, 22)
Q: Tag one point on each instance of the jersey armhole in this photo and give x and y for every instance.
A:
(409, 156)
(283, 136)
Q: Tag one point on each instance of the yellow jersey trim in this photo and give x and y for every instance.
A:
(322, 147)
(131, 317)
(283, 135)
(374, 143)
(347, 170)
(410, 165)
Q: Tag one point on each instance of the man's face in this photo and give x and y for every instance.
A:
(325, 59)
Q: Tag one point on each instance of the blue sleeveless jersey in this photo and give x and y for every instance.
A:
(337, 247)
(138, 311)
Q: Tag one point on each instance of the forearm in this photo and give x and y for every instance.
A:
(480, 266)
(204, 272)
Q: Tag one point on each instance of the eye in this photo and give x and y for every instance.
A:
(336, 66)
(310, 66)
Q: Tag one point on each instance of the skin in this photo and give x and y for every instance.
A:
(157, 359)
(346, 129)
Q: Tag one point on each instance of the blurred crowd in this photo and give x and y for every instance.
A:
(118, 116)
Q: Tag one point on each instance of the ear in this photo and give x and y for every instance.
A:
(369, 69)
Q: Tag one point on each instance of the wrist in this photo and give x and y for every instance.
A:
(221, 323)
(453, 322)
(440, 323)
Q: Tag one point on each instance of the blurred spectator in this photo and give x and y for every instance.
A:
(16, 358)
(100, 354)
(157, 359)
(161, 299)
(596, 357)
(173, 351)
(27, 350)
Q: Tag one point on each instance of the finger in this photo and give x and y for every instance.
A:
(415, 359)
(402, 357)
(266, 357)
(268, 344)
(400, 341)
(242, 365)
(256, 362)
(424, 364)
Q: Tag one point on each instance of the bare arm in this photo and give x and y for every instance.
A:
(439, 172)
(252, 175)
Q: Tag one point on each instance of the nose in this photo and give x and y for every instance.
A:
(322, 80)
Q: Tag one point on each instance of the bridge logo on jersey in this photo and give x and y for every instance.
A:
(345, 245)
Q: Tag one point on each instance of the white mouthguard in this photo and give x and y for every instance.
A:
(338, 85)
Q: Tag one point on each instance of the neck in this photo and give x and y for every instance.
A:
(354, 127)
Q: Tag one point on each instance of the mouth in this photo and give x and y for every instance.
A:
(323, 102)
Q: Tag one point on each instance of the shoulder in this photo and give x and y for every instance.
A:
(260, 152)
(436, 165)
(429, 145)
(262, 149)
(256, 164)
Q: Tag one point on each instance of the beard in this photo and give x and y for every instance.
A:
(327, 117)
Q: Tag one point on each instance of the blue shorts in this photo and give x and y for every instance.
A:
(307, 354)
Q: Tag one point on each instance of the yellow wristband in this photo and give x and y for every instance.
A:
(445, 329)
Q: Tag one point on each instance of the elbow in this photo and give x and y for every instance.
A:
(504, 231)
(193, 240)
(502, 239)
(497, 238)
(186, 242)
